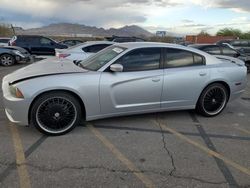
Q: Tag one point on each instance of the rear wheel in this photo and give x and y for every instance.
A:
(213, 100)
(7, 60)
(55, 113)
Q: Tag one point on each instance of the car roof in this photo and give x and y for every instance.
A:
(99, 42)
(5, 38)
(146, 44)
(88, 43)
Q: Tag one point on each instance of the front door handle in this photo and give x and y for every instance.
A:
(156, 79)
(203, 73)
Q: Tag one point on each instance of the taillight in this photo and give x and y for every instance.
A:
(63, 55)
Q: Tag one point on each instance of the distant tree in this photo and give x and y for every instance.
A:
(245, 35)
(5, 31)
(203, 33)
(229, 32)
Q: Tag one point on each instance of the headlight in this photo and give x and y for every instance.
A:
(19, 53)
(15, 92)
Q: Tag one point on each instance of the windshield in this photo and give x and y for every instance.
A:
(101, 58)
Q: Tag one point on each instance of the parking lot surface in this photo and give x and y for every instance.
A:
(170, 149)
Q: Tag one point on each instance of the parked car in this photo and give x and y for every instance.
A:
(71, 42)
(121, 39)
(83, 50)
(4, 41)
(37, 45)
(223, 49)
(241, 45)
(123, 79)
(12, 55)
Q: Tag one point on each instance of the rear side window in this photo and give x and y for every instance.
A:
(95, 48)
(212, 50)
(182, 58)
(45, 41)
(229, 51)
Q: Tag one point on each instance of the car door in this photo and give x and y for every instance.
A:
(32, 44)
(185, 75)
(47, 46)
(137, 88)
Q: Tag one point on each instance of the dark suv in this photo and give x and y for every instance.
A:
(37, 45)
(241, 45)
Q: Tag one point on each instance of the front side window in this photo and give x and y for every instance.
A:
(100, 59)
(141, 60)
(182, 58)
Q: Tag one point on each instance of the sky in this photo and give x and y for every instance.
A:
(175, 16)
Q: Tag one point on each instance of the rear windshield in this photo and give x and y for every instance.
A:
(4, 40)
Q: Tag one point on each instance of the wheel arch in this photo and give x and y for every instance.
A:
(83, 109)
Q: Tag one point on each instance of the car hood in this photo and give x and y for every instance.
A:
(52, 66)
(16, 48)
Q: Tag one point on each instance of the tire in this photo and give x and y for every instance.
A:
(55, 113)
(212, 100)
(7, 60)
(248, 66)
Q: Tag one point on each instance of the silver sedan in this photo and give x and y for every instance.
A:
(123, 79)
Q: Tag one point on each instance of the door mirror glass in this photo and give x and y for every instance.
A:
(116, 68)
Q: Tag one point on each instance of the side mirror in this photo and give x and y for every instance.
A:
(116, 68)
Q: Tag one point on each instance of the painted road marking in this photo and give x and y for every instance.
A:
(145, 180)
(24, 180)
(242, 130)
(205, 149)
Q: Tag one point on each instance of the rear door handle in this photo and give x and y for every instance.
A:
(156, 79)
(203, 74)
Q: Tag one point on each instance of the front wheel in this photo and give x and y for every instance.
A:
(7, 60)
(213, 100)
(55, 113)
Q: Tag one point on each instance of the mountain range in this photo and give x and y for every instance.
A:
(65, 29)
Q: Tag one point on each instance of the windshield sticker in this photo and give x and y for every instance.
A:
(118, 50)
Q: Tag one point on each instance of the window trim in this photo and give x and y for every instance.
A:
(166, 59)
(160, 64)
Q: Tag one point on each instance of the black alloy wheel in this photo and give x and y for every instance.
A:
(213, 100)
(56, 113)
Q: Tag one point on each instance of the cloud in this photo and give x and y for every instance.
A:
(90, 12)
(235, 5)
